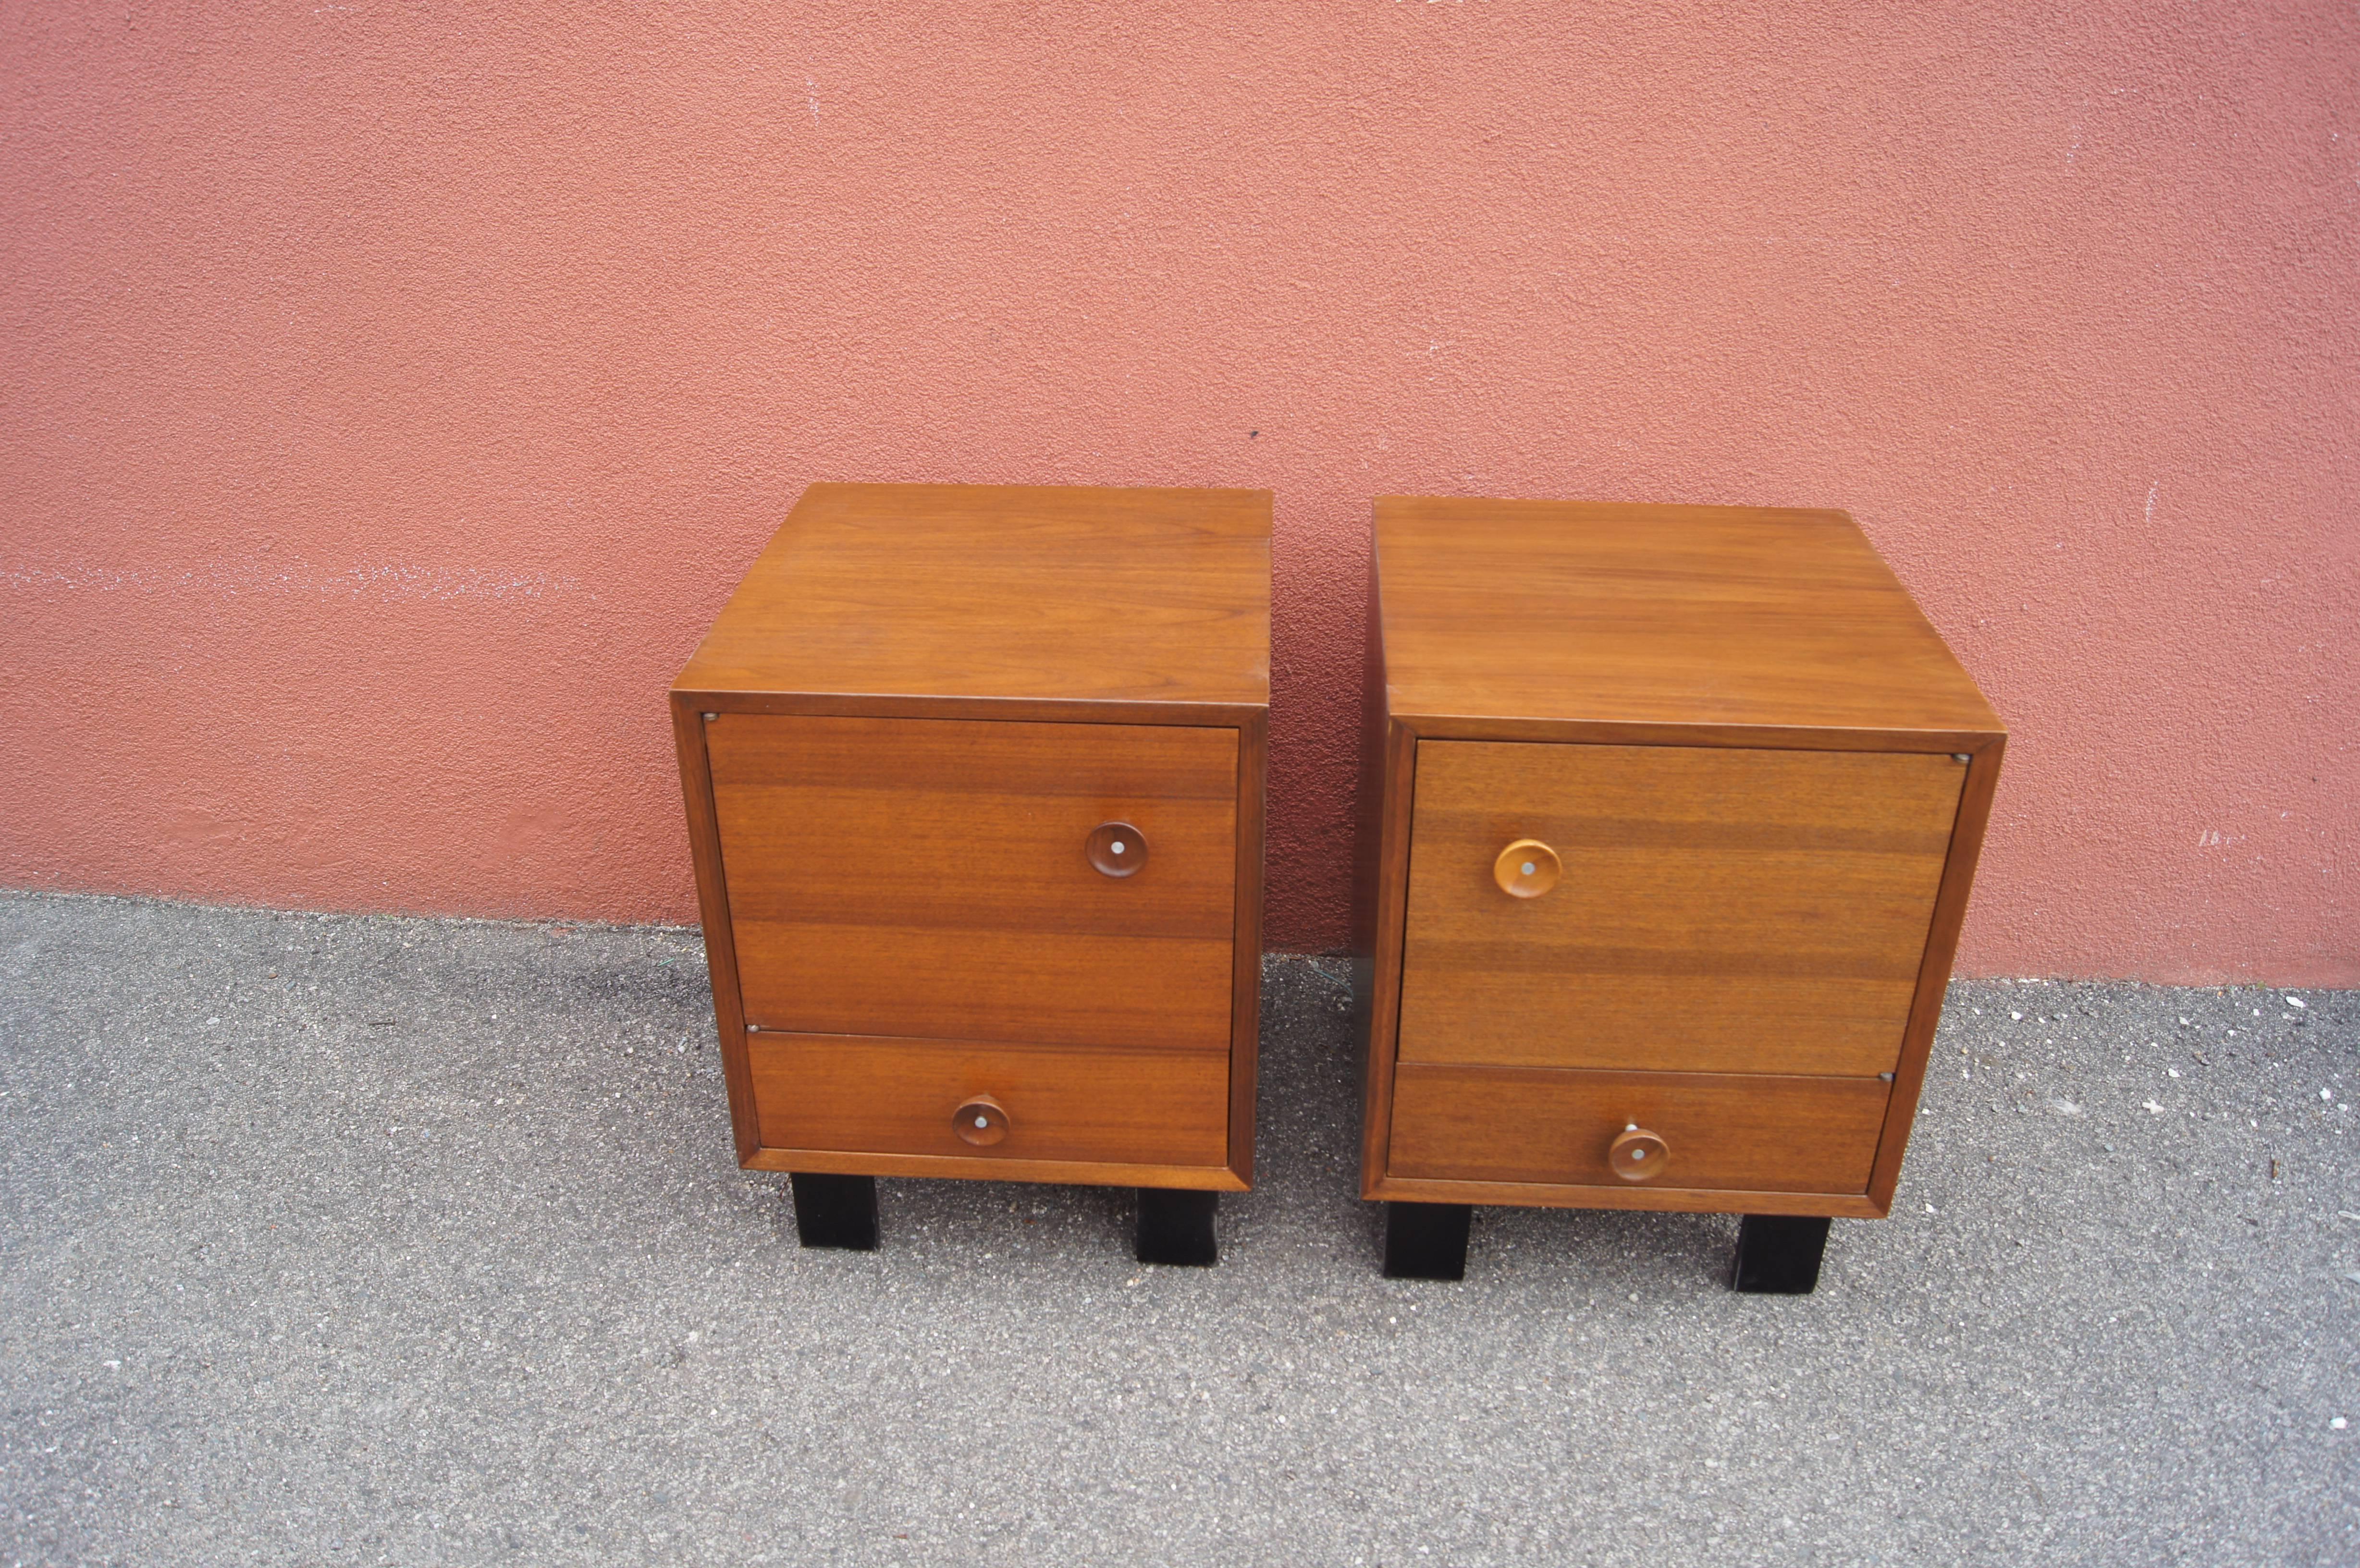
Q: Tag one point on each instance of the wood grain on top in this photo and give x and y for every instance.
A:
(1586, 612)
(1025, 592)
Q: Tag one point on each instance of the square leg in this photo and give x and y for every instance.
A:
(1176, 1228)
(836, 1210)
(1427, 1241)
(1778, 1255)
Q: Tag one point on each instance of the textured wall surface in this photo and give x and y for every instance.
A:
(392, 392)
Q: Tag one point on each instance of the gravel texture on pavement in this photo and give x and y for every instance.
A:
(334, 1240)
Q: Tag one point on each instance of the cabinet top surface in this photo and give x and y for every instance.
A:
(1594, 613)
(1033, 591)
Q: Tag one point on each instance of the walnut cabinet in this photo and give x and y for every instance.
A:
(974, 779)
(1670, 818)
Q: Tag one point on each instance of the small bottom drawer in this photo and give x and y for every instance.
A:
(1718, 1130)
(866, 1093)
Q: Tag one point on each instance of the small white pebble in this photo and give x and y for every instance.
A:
(2173, 1071)
(2153, 1109)
(1932, 1210)
(2299, 1002)
(2327, 1094)
(2336, 1425)
(2015, 1015)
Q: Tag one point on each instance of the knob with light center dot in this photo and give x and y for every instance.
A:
(1638, 1154)
(980, 1120)
(1116, 849)
(1526, 869)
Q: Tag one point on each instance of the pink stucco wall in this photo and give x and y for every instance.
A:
(393, 391)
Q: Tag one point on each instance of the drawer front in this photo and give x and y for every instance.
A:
(931, 878)
(1041, 1101)
(1713, 909)
(1724, 1131)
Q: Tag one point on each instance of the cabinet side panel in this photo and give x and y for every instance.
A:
(1367, 809)
(1245, 1025)
(1396, 788)
(1376, 967)
(713, 909)
(1934, 974)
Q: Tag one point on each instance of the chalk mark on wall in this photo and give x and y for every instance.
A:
(382, 579)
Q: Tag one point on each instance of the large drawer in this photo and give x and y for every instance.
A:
(1718, 909)
(1722, 1131)
(930, 878)
(1048, 1102)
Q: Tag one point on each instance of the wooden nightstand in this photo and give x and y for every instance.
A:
(974, 778)
(1670, 819)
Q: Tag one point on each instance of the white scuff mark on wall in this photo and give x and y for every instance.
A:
(381, 579)
(811, 92)
(2150, 501)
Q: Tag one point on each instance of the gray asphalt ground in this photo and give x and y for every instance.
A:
(400, 1241)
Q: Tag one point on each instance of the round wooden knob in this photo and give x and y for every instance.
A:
(981, 1121)
(1117, 849)
(1638, 1154)
(1526, 869)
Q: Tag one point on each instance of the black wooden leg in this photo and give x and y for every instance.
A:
(1176, 1228)
(1427, 1241)
(1778, 1255)
(836, 1210)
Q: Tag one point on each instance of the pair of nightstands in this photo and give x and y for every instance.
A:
(1670, 818)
